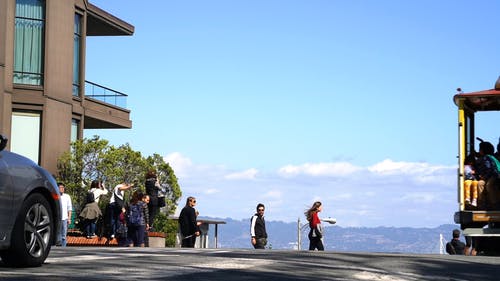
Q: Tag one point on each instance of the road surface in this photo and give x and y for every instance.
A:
(84, 263)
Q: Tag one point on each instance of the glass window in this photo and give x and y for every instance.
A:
(75, 126)
(29, 41)
(25, 136)
(76, 54)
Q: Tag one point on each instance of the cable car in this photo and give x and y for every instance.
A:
(481, 223)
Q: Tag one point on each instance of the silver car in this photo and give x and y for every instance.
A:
(30, 211)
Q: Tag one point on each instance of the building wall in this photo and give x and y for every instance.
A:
(54, 99)
(6, 35)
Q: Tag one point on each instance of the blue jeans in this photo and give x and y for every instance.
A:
(114, 212)
(64, 231)
(89, 227)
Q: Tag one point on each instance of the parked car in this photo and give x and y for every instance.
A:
(30, 211)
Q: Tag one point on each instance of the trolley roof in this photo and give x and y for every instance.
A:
(486, 100)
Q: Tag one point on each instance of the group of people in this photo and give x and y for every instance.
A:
(259, 235)
(482, 178)
(128, 222)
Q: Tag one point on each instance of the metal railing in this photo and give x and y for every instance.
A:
(104, 94)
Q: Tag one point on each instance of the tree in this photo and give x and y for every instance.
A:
(94, 159)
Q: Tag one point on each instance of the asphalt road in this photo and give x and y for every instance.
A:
(74, 263)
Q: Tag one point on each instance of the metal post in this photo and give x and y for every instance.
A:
(299, 242)
(216, 225)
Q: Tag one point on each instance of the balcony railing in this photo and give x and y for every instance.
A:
(107, 95)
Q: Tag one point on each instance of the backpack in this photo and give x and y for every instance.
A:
(497, 164)
(90, 197)
(135, 214)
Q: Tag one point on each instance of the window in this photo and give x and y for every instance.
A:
(29, 42)
(25, 136)
(76, 54)
(75, 127)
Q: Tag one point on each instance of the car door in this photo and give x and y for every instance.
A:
(6, 199)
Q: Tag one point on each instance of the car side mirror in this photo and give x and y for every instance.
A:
(3, 142)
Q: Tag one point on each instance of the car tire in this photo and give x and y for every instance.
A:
(32, 235)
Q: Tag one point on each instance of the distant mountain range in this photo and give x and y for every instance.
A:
(282, 235)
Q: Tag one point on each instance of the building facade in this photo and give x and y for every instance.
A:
(45, 101)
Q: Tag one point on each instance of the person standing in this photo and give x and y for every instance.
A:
(258, 228)
(116, 204)
(97, 188)
(152, 189)
(455, 246)
(187, 224)
(66, 210)
(90, 213)
(316, 232)
(146, 200)
(138, 220)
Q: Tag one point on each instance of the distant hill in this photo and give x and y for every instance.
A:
(282, 235)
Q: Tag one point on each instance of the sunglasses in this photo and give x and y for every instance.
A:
(260, 210)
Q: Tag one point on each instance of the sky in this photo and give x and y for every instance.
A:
(289, 102)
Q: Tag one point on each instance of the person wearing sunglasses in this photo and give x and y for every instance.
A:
(187, 223)
(258, 228)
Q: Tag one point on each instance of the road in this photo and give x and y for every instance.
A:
(73, 263)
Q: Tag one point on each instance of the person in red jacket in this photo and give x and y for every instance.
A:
(316, 232)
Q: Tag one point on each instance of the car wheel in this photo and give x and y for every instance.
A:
(32, 234)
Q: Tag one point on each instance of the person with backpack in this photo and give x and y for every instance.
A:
(488, 177)
(98, 189)
(89, 215)
(137, 220)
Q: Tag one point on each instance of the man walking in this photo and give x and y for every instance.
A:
(258, 228)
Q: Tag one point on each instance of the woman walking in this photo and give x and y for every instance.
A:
(316, 232)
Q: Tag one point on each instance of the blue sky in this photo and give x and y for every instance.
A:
(288, 102)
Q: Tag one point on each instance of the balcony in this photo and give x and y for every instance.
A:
(107, 95)
(105, 108)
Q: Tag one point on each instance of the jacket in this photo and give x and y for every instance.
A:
(258, 227)
(91, 211)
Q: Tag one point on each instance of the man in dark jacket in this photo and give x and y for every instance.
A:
(258, 228)
(455, 246)
(187, 224)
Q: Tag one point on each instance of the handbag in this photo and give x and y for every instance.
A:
(122, 230)
(161, 201)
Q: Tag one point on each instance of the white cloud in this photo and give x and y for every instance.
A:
(212, 191)
(319, 169)
(274, 194)
(179, 163)
(249, 174)
(419, 197)
(378, 195)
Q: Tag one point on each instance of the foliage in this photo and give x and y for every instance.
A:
(169, 227)
(94, 159)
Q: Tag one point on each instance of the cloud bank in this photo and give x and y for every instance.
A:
(387, 193)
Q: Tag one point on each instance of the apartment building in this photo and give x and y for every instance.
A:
(45, 100)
